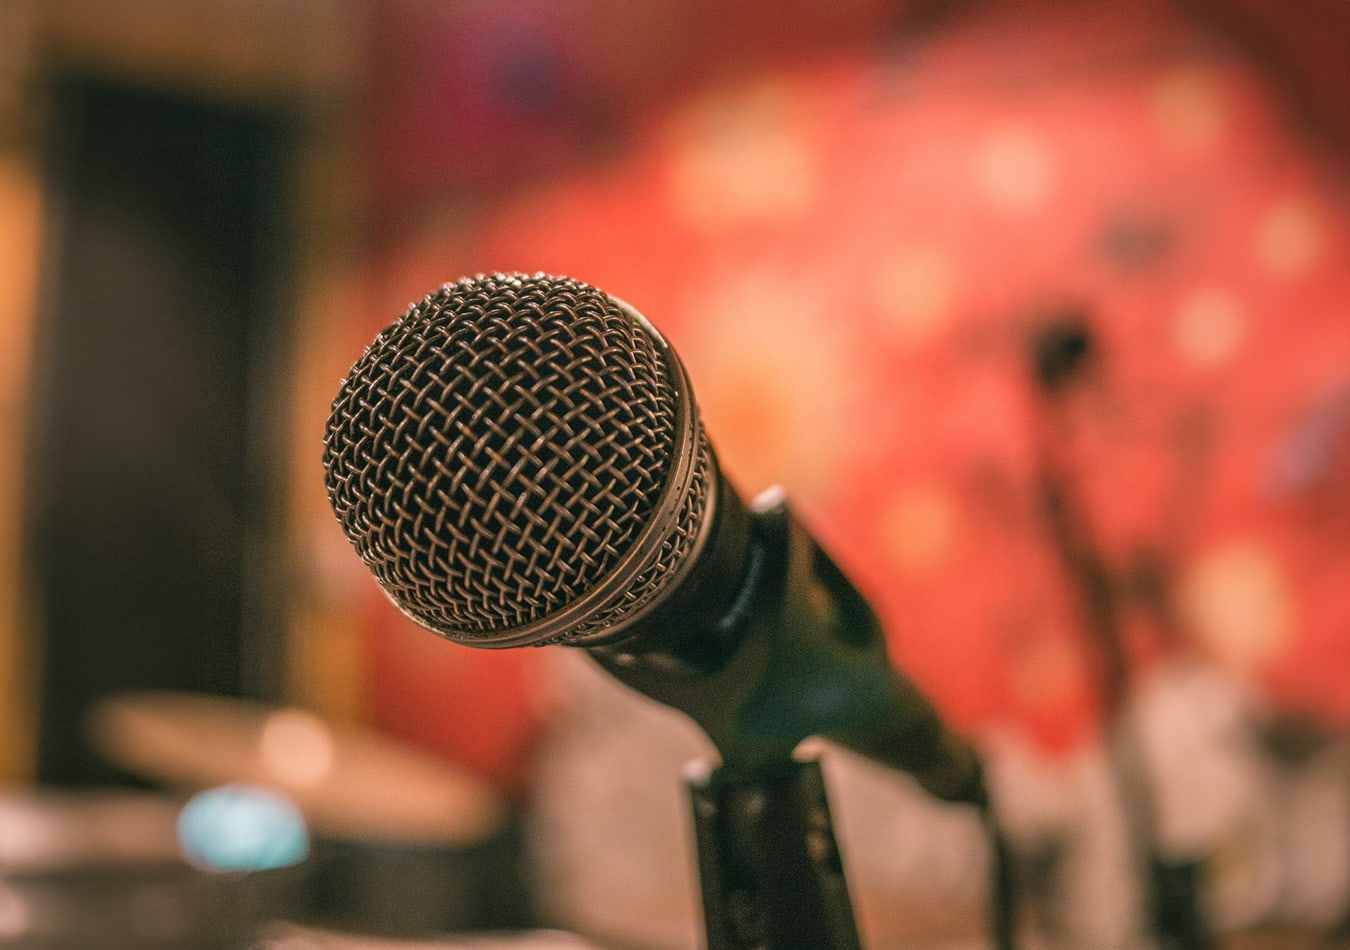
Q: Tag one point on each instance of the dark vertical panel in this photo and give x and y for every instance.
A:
(145, 479)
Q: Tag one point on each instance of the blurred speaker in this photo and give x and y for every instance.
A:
(155, 441)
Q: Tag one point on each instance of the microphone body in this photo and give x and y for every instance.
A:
(519, 460)
(791, 651)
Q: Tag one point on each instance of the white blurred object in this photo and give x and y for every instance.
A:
(1272, 837)
(1275, 833)
(1211, 792)
(43, 831)
(1068, 809)
(612, 832)
(917, 868)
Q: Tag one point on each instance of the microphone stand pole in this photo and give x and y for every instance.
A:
(770, 872)
(769, 868)
(1063, 357)
(1171, 887)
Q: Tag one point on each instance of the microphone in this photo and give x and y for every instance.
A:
(519, 460)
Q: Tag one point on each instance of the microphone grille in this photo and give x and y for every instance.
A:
(501, 447)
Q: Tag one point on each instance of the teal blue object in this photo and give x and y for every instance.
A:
(242, 828)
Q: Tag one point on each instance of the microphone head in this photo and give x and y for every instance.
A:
(518, 459)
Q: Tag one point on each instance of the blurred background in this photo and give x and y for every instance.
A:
(1039, 310)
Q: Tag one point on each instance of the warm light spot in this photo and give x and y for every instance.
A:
(920, 527)
(1188, 109)
(1209, 328)
(1237, 603)
(776, 385)
(742, 157)
(1015, 170)
(297, 748)
(751, 421)
(1289, 236)
(20, 244)
(916, 292)
(1048, 673)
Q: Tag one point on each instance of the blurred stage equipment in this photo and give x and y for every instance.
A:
(240, 827)
(102, 869)
(402, 843)
(519, 460)
(1064, 355)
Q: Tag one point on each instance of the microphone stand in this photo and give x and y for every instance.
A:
(1062, 356)
(1171, 887)
(803, 655)
(769, 868)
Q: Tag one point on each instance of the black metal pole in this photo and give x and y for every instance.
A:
(770, 870)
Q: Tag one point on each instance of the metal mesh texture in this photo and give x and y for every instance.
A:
(651, 582)
(496, 450)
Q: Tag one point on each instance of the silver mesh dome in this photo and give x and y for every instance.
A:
(507, 447)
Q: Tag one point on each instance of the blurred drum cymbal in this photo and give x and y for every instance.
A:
(350, 783)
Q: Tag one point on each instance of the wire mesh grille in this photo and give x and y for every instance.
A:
(496, 450)
(668, 558)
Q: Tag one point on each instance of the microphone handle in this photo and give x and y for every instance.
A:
(808, 658)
